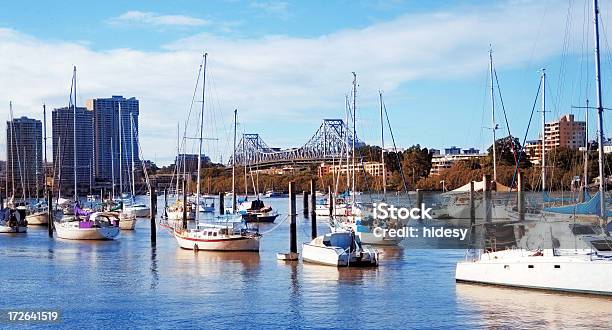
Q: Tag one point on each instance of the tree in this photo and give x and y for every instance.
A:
(505, 150)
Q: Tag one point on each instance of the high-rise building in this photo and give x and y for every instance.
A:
(564, 132)
(24, 169)
(112, 134)
(63, 150)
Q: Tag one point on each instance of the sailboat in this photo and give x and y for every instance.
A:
(82, 225)
(582, 270)
(12, 217)
(228, 236)
(135, 209)
(38, 214)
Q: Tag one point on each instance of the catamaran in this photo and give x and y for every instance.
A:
(585, 269)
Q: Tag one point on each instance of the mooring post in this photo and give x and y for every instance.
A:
(313, 206)
(152, 213)
(305, 203)
(184, 205)
(330, 201)
(165, 203)
(520, 203)
(419, 199)
(292, 214)
(221, 203)
(472, 215)
(1, 201)
(488, 209)
(50, 212)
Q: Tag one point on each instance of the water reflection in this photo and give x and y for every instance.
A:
(154, 271)
(507, 307)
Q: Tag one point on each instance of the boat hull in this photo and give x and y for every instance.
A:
(259, 217)
(38, 218)
(546, 273)
(12, 230)
(179, 215)
(219, 244)
(127, 224)
(334, 256)
(71, 231)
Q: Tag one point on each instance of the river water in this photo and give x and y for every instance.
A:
(128, 283)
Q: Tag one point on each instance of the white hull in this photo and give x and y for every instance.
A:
(38, 218)
(9, 230)
(519, 268)
(329, 256)
(191, 241)
(339, 210)
(332, 250)
(71, 230)
(140, 211)
(127, 224)
(371, 239)
(179, 215)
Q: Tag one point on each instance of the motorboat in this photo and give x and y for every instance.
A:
(339, 249)
(139, 210)
(258, 212)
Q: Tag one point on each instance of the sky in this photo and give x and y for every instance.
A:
(287, 65)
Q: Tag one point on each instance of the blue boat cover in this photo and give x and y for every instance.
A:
(589, 207)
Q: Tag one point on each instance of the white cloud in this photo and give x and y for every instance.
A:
(275, 8)
(278, 81)
(150, 18)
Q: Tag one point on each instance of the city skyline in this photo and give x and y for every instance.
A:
(285, 72)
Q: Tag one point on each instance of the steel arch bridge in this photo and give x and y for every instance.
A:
(329, 142)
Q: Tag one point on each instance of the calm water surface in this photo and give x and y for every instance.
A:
(129, 283)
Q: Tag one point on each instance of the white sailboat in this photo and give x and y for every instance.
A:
(127, 219)
(135, 209)
(213, 237)
(583, 270)
(96, 226)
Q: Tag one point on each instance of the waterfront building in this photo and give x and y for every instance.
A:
(372, 168)
(63, 142)
(106, 142)
(565, 132)
(452, 151)
(440, 163)
(24, 154)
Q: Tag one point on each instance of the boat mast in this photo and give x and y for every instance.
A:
(178, 157)
(12, 133)
(74, 152)
(586, 147)
(120, 154)
(382, 145)
(234, 165)
(246, 184)
(348, 173)
(600, 135)
(132, 152)
(354, 131)
(200, 140)
(45, 148)
(494, 127)
(112, 166)
(543, 77)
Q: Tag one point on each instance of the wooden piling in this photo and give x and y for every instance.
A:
(50, 212)
(488, 209)
(313, 207)
(221, 203)
(472, 215)
(292, 214)
(184, 204)
(520, 203)
(419, 199)
(305, 203)
(330, 201)
(152, 213)
(165, 203)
